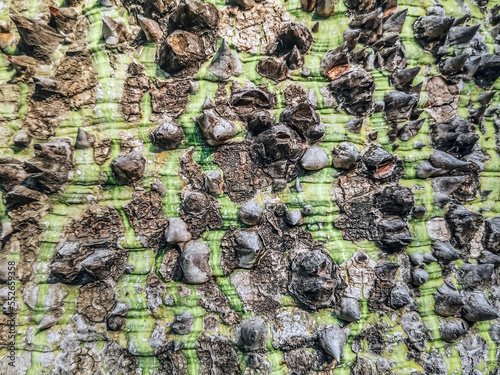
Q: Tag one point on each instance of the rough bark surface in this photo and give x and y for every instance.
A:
(250, 187)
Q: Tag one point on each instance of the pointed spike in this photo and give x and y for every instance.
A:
(208, 104)
(295, 60)
(477, 308)
(395, 22)
(37, 39)
(45, 84)
(430, 30)
(453, 65)
(440, 159)
(432, 27)
(476, 114)
(109, 30)
(445, 252)
(452, 331)
(84, 140)
(425, 170)
(387, 40)
(448, 301)
(332, 340)
(410, 130)
(461, 20)
(461, 34)
(113, 32)
(404, 77)
(486, 97)
(470, 67)
(226, 63)
(150, 28)
(351, 38)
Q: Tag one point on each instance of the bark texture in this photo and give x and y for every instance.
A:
(253, 187)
